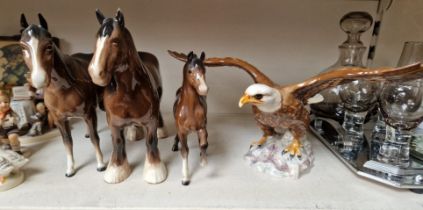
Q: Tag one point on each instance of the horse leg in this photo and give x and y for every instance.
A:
(64, 129)
(184, 153)
(154, 169)
(161, 130)
(202, 139)
(118, 168)
(87, 131)
(175, 144)
(91, 122)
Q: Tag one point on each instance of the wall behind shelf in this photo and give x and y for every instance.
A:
(289, 39)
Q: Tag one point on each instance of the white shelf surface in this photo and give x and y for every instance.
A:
(227, 182)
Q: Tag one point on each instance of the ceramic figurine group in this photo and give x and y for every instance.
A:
(127, 84)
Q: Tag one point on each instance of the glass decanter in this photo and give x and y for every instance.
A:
(351, 54)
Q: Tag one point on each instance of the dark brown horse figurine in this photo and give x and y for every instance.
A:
(131, 97)
(190, 111)
(68, 90)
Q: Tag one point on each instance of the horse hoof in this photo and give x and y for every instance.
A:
(115, 174)
(154, 173)
(100, 169)
(161, 133)
(70, 174)
(185, 182)
(175, 148)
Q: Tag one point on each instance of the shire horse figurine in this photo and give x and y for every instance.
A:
(190, 111)
(68, 90)
(131, 96)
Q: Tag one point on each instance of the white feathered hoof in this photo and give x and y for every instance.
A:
(161, 133)
(154, 173)
(115, 174)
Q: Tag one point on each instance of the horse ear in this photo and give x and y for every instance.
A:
(190, 55)
(202, 56)
(24, 23)
(100, 16)
(43, 21)
(119, 18)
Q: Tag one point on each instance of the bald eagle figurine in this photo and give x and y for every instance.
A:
(280, 108)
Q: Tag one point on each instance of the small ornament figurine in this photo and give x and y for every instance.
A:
(39, 121)
(68, 90)
(280, 108)
(10, 163)
(9, 131)
(132, 93)
(190, 110)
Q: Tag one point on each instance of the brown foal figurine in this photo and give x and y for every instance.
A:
(68, 90)
(131, 96)
(190, 110)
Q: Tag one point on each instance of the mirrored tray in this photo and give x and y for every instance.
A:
(406, 178)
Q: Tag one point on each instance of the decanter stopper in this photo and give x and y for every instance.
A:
(354, 24)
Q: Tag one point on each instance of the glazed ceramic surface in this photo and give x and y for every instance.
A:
(190, 110)
(131, 96)
(68, 90)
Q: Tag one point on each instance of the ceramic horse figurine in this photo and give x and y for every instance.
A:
(190, 111)
(68, 90)
(131, 96)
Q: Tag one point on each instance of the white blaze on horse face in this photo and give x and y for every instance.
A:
(96, 67)
(38, 73)
(202, 87)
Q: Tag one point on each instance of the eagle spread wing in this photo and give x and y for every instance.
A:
(316, 84)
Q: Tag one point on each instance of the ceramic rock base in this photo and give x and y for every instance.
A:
(11, 181)
(268, 158)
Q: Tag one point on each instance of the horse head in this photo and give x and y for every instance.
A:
(38, 51)
(113, 41)
(194, 73)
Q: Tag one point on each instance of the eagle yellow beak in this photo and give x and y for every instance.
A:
(245, 99)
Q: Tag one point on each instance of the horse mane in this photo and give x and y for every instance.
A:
(133, 56)
(63, 65)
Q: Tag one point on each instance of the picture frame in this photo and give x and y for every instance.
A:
(13, 69)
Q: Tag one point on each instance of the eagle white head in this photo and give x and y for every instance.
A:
(267, 99)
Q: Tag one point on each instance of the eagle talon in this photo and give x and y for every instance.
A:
(294, 149)
(260, 142)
